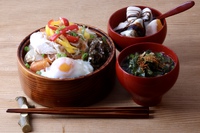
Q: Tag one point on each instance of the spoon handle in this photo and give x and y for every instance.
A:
(177, 10)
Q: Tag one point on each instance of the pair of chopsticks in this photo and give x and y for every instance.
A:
(89, 112)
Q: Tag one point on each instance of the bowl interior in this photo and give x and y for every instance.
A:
(120, 16)
(141, 47)
(122, 41)
(21, 53)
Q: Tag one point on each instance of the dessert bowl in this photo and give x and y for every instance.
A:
(147, 91)
(122, 41)
(79, 91)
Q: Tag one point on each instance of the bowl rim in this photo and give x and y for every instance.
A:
(110, 58)
(177, 65)
(137, 38)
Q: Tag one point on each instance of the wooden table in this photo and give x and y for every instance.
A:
(179, 110)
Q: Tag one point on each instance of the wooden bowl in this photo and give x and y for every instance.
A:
(81, 91)
(147, 91)
(122, 42)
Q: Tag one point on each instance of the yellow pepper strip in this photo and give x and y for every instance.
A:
(51, 32)
(58, 23)
(65, 43)
(71, 23)
(48, 31)
(86, 35)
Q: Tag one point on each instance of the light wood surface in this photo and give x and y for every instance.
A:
(179, 110)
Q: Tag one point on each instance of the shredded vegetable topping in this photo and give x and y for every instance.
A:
(62, 38)
(148, 64)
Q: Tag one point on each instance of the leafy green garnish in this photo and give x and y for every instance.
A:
(26, 48)
(57, 31)
(43, 55)
(85, 56)
(83, 30)
(38, 72)
(58, 55)
(72, 33)
(27, 65)
(60, 28)
(92, 36)
(148, 64)
(104, 39)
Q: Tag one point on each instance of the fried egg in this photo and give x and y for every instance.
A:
(65, 67)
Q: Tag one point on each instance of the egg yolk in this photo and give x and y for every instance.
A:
(65, 67)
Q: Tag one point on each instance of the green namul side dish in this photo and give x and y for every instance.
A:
(148, 64)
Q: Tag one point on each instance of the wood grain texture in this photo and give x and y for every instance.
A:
(90, 112)
(179, 110)
(81, 91)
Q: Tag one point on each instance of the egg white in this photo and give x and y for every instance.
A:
(78, 68)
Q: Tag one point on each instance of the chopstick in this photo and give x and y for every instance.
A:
(89, 112)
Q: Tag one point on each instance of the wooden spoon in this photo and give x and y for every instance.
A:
(177, 10)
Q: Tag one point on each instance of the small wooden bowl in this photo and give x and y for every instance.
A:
(122, 42)
(147, 91)
(82, 91)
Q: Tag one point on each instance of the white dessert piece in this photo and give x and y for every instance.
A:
(136, 29)
(153, 27)
(121, 25)
(133, 13)
(147, 16)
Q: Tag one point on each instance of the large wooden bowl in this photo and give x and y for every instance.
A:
(82, 91)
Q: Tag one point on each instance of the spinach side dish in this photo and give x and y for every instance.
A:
(148, 64)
